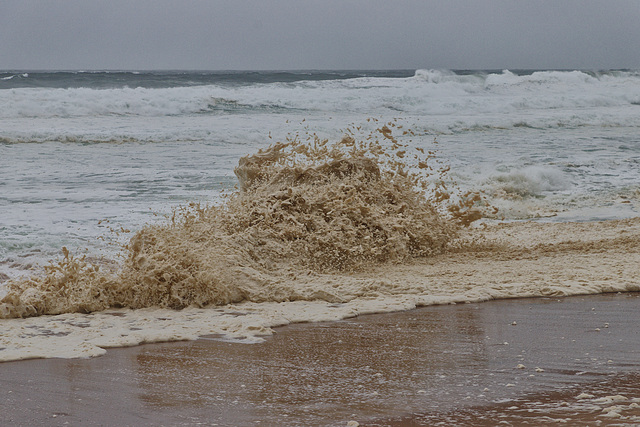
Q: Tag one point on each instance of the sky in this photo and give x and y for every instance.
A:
(325, 34)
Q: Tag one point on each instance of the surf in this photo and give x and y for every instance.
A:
(316, 229)
(302, 205)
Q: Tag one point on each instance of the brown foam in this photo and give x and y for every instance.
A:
(301, 205)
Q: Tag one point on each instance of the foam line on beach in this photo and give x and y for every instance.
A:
(560, 259)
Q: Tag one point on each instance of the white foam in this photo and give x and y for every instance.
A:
(529, 181)
(82, 336)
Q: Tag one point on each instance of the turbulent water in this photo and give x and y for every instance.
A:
(89, 160)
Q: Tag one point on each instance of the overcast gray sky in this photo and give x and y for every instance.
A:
(325, 34)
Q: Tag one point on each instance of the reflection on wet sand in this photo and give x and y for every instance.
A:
(444, 364)
(323, 370)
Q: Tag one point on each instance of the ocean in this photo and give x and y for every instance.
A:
(88, 159)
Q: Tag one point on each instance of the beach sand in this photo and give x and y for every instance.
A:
(549, 360)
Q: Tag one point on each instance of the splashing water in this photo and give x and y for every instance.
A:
(304, 206)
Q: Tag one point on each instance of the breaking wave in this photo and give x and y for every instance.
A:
(549, 98)
(530, 181)
(304, 207)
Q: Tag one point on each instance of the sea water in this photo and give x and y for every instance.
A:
(79, 148)
(89, 158)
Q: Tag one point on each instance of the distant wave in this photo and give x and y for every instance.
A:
(540, 98)
(83, 102)
(168, 79)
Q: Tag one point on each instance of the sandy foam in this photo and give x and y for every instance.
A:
(525, 260)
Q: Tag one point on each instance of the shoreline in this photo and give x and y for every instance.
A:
(404, 368)
(516, 260)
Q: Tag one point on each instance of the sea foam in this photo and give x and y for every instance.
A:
(302, 206)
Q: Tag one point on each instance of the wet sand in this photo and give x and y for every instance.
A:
(530, 361)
